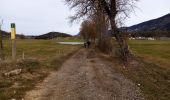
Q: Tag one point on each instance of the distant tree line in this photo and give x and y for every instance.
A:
(150, 34)
(7, 35)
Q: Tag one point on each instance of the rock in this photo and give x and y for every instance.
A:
(139, 84)
(13, 73)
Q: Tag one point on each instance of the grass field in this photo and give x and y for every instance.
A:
(40, 58)
(152, 71)
(157, 52)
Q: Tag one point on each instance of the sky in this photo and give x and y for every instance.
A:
(35, 17)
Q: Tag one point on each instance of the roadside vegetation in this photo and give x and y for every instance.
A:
(150, 69)
(36, 58)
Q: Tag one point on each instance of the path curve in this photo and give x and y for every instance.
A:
(85, 76)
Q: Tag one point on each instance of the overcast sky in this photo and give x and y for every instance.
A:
(34, 17)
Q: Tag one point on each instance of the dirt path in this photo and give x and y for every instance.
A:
(85, 77)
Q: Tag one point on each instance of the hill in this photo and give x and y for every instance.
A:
(159, 24)
(52, 35)
(5, 34)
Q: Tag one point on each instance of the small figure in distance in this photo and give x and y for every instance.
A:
(88, 44)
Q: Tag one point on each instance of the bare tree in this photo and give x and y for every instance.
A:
(114, 10)
(94, 27)
(88, 31)
(101, 25)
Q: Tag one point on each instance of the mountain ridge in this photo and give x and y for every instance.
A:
(158, 24)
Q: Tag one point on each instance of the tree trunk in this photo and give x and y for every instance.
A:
(111, 11)
(121, 40)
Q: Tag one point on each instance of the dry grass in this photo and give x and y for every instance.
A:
(41, 57)
(155, 72)
(157, 52)
(150, 68)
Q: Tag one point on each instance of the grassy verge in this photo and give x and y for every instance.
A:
(40, 58)
(154, 71)
(150, 69)
(153, 80)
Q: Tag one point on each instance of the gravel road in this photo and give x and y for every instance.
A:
(85, 76)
